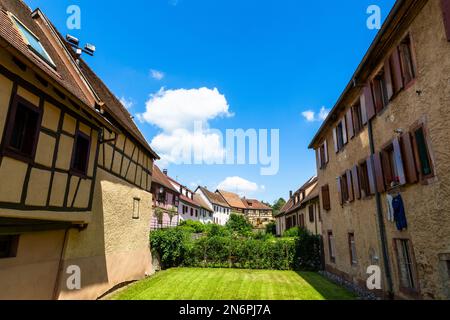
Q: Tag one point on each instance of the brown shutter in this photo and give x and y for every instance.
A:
(355, 178)
(396, 69)
(362, 105)
(326, 197)
(339, 185)
(388, 79)
(336, 149)
(399, 161)
(378, 99)
(446, 12)
(350, 128)
(325, 145)
(367, 103)
(351, 195)
(408, 158)
(378, 172)
(372, 185)
(387, 172)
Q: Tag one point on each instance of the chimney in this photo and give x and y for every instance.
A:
(290, 194)
(165, 171)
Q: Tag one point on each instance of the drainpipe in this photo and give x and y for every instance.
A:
(381, 225)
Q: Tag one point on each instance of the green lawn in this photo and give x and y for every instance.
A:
(233, 284)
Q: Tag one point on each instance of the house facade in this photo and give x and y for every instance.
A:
(382, 159)
(234, 201)
(75, 172)
(216, 203)
(302, 210)
(188, 208)
(257, 213)
(166, 200)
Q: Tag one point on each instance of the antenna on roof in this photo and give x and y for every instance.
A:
(75, 43)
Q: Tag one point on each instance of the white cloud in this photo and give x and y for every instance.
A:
(177, 113)
(311, 116)
(240, 186)
(158, 75)
(127, 103)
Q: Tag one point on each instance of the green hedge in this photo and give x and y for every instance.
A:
(222, 248)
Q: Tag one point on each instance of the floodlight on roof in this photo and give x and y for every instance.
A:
(72, 40)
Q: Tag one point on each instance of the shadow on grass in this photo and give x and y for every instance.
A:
(328, 289)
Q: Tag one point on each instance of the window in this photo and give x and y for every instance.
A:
(322, 155)
(448, 267)
(8, 246)
(192, 212)
(405, 263)
(423, 160)
(367, 186)
(33, 42)
(357, 118)
(352, 248)
(80, 157)
(343, 188)
(23, 129)
(380, 93)
(136, 203)
(196, 212)
(326, 204)
(389, 167)
(311, 213)
(406, 59)
(331, 247)
(301, 220)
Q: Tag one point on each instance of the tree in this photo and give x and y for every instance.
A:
(278, 205)
(172, 213)
(238, 224)
(159, 214)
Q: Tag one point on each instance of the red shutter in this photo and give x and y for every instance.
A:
(339, 185)
(378, 172)
(387, 172)
(351, 195)
(399, 161)
(396, 69)
(408, 158)
(372, 185)
(367, 102)
(388, 79)
(336, 149)
(350, 128)
(446, 12)
(356, 186)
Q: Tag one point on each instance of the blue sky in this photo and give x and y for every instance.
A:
(270, 60)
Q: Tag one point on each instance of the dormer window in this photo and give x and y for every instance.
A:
(33, 42)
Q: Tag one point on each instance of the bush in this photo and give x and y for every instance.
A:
(239, 225)
(271, 228)
(171, 246)
(308, 251)
(292, 233)
(193, 226)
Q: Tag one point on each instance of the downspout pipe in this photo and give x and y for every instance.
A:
(381, 225)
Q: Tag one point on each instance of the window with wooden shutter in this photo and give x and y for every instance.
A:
(379, 177)
(339, 188)
(350, 193)
(399, 167)
(356, 185)
(326, 203)
(336, 147)
(388, 79)
(311, 213)
(422, 154)
(325, 147)
(357, 119)
(380, 94)
(371, 183)
(407, 60)
(344, 131)
(318, 158)
(362, 104)
(331, 247)
(396, 71)
(367, 102)
(445, 4)
(350, 126)
(408, 158)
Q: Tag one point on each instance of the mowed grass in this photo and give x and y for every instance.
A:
(233, 284)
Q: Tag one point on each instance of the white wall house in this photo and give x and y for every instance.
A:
(221, 210)
(188, 208)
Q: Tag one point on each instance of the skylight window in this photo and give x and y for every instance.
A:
(33, 42)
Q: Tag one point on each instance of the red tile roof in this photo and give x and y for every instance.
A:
(232, 199)
(255, 204)
(161, 179)
(214, 198)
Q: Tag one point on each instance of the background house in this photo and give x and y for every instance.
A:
(221, 209)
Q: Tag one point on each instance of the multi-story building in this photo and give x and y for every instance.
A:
(166, 200)
(75, 172)
(206, 213)
(383, 159)
(257, 213)
(216, 203)
(234, 201)
(301, 210)
(188, 208)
